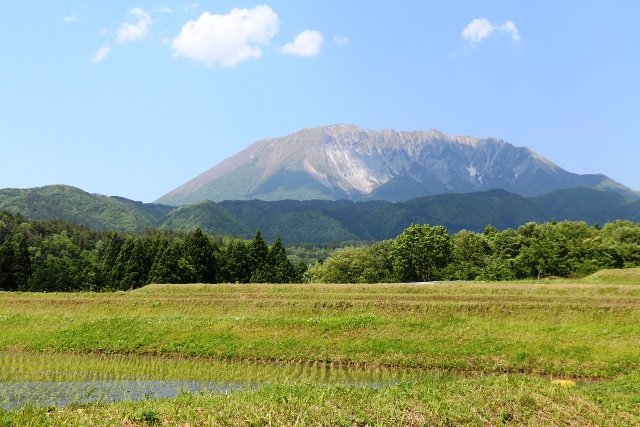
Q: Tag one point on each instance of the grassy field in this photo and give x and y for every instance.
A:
(478, 353)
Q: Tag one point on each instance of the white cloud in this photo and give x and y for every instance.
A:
(70, 18)
(477, 30)
(511, 29)
(100, 54)
(307, 43)
(227, 39)
(131, 32)
(164, 9)
(341, 40)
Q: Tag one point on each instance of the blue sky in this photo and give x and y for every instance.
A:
(134, 98)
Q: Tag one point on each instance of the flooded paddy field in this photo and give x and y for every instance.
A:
(34, 379)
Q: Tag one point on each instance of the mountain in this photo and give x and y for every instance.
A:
(347, 162)
(78, 206)
(321, 221)
(328, 221)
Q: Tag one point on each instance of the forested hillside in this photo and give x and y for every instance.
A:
(321, 222)
(72, 204)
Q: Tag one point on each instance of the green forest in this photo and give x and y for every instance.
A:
(320, 222)
(55, 255)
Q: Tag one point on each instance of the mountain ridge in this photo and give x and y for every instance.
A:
(75, 205)
(347, 162)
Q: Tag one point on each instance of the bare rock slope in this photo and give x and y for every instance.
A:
(347, 162)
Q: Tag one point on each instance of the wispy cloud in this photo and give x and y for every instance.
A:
(227, 39)
(340, 39)
(480, 29)
(71, 18)
(100, 54)
(134, 31)
(307, 43)
(511, 29)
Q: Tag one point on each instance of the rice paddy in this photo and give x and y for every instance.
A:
(539, 353)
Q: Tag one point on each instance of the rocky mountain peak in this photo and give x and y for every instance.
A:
(347, 162)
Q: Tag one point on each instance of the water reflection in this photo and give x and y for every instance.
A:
(26, 379)
(40, 393)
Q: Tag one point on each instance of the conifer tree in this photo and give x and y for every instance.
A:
(21, 271)
(282, 271)
(258, 252)
(7, 255)
(237, 266)
(172, 266)
(131, 269)
(199, 251)
(111, 254)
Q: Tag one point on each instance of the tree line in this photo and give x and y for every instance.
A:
(532, 251)
(53, 256)
(56, 255)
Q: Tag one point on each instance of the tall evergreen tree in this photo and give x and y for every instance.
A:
(154, 245)
(259, 259)
(7, 255)
(282, 271)
(236, 267)
(114, 245)
(172, 266)
(21, 265)
(199, 253)
(131, 268)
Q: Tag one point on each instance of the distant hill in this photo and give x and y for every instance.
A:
(208, 216)
(347, 162)
(72, 204)
(322, 221)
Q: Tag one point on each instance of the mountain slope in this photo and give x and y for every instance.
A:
(346, 162)
(474, 211)
(322, 221)
(207, 215)
(78, 206)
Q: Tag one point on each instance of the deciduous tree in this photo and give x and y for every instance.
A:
(421, 252)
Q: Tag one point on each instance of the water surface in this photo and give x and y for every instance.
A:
(61, 379)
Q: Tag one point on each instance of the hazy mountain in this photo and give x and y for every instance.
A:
(346, 162)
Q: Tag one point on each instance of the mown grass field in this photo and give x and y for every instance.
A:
(485, 353)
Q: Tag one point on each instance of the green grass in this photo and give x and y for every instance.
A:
(442, 400)
(629, 276)
(486, 353)
(580, 330)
